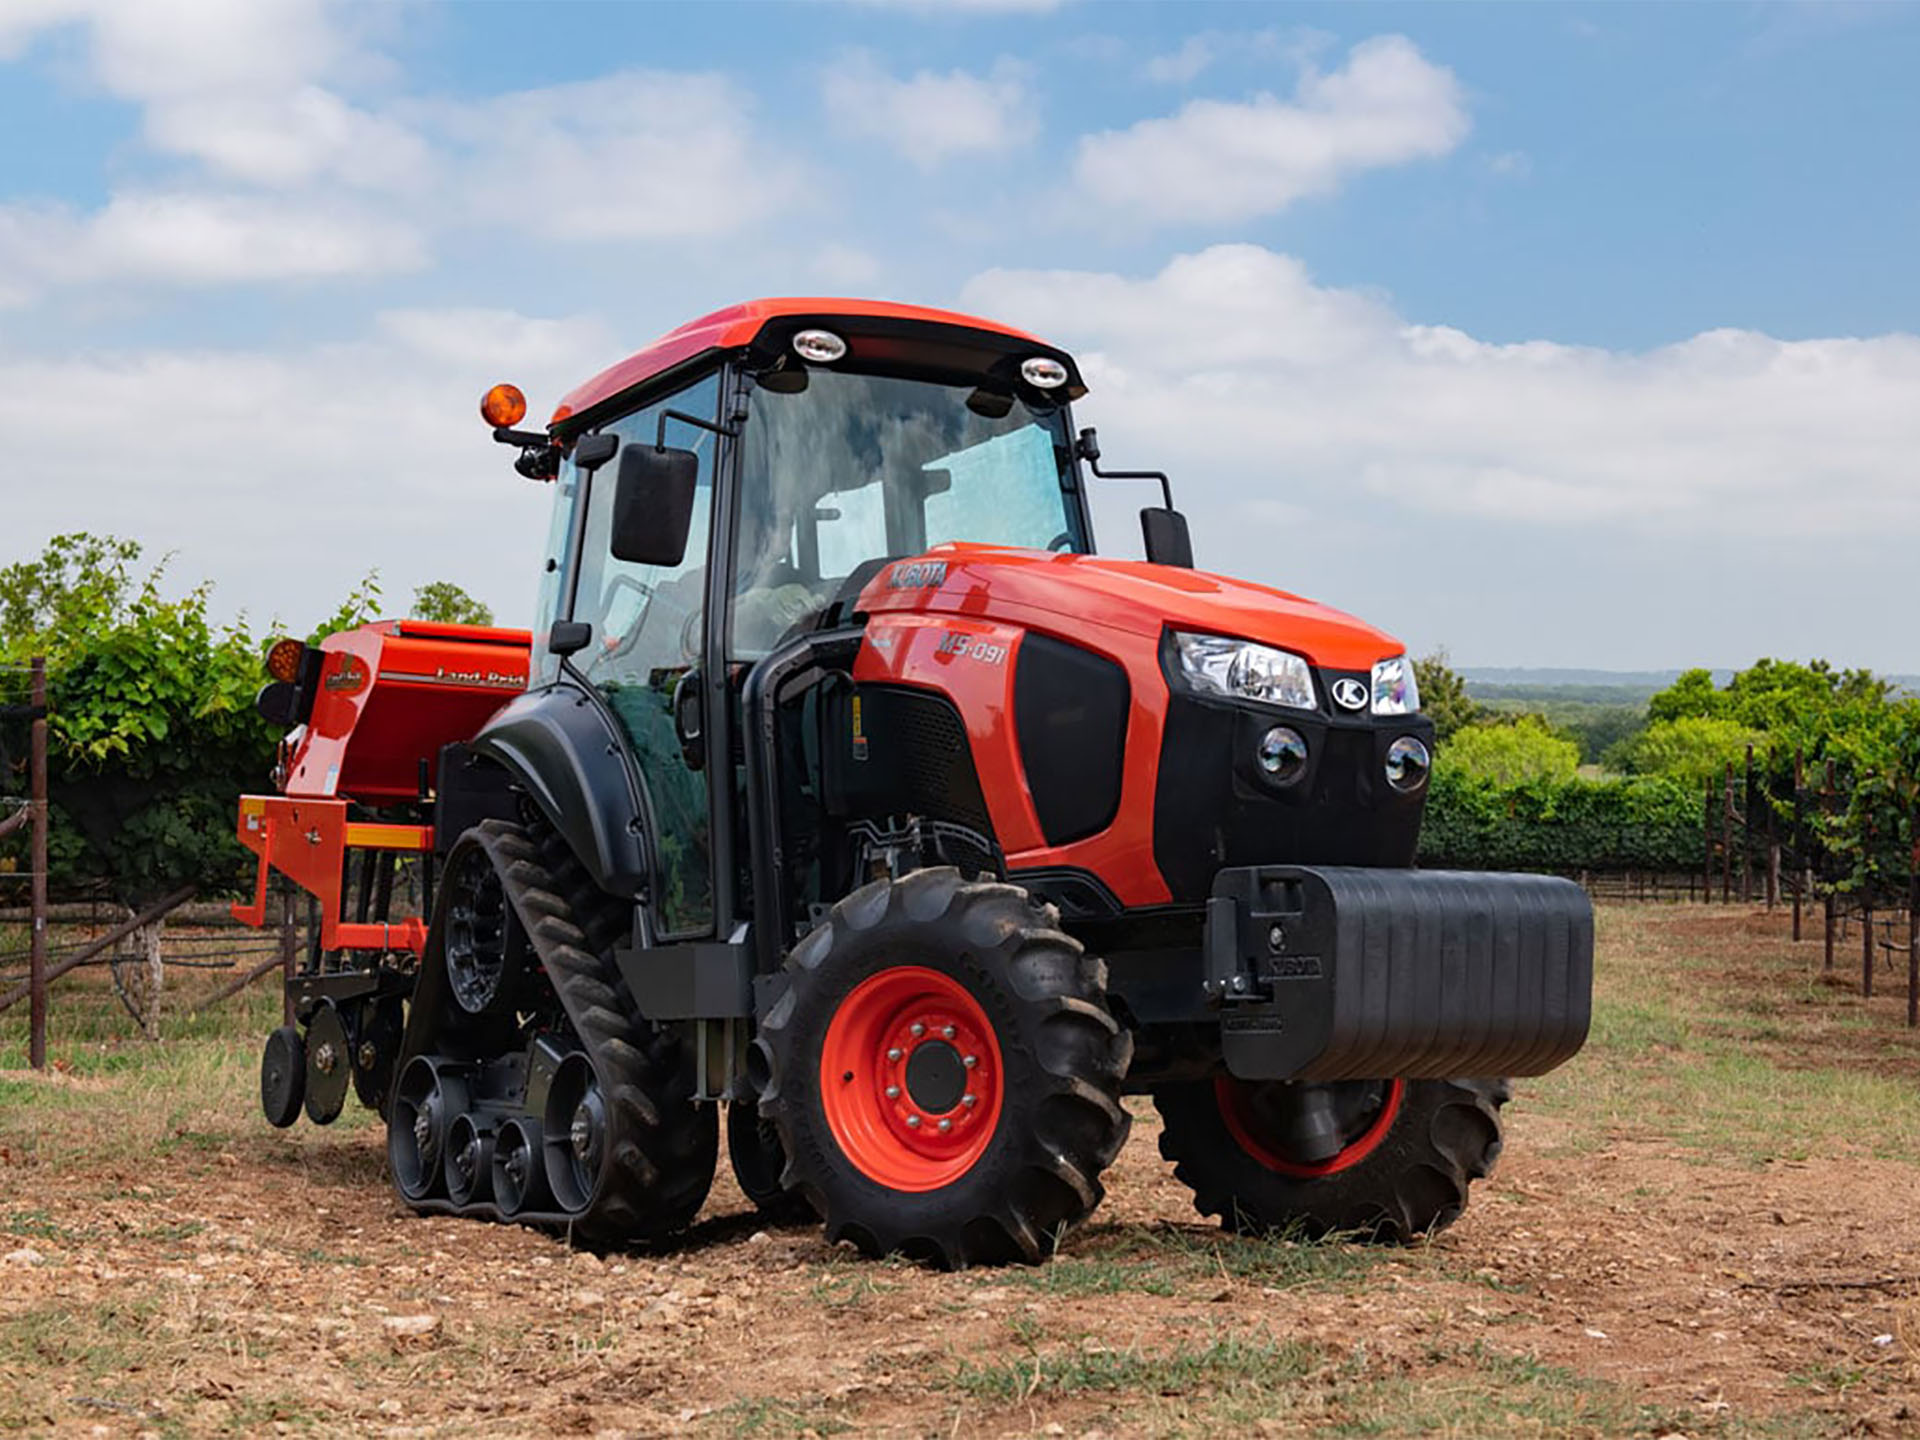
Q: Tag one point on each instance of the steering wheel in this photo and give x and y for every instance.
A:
(1061, 541)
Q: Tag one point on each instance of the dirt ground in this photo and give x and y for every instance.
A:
(1609, 1279)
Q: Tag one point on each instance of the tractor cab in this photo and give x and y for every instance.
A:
(738, 485)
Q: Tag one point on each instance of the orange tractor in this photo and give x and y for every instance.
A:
(844, 787)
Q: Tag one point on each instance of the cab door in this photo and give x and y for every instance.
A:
(649, 630)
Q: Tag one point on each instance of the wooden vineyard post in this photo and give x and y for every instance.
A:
(1866, 913)
(1913, 919)
(1795, 842)
(37, 956)
(1706, 829)
(1746, 833)
(1727, 836)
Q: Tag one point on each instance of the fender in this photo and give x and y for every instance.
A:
(561, 746)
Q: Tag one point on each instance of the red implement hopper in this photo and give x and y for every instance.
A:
(372, 707)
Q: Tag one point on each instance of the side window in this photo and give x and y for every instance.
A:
(648, 622)
(554, 571)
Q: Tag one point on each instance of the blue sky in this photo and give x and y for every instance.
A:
(1556, 335)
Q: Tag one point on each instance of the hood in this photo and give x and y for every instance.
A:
(1064, 592)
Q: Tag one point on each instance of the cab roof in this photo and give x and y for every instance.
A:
(740, 325)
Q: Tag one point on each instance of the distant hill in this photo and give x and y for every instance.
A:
(1595, 687)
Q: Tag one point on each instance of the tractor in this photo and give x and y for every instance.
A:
(842, 788)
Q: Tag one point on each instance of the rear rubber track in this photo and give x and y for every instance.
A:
(661, 1147)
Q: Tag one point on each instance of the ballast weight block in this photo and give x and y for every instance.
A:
(1351, 973)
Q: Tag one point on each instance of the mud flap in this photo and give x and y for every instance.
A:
(1349, 973)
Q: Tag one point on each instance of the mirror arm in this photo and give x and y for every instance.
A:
(1166, 485)
(1087, 447)
(660, 434)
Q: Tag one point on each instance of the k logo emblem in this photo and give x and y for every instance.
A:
(1349, 693)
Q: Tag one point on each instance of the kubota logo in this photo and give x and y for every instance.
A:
(1349, 693)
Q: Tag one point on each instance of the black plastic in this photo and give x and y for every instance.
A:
(590, 452)
(1354, 973)
(1070, 712)
(705, 980)
(561, 748)
(569, 637)
(653, 504)
(1164, 534)
(1214, 807)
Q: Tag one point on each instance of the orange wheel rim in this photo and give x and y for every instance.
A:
(911, 1078)
(1236, 1109)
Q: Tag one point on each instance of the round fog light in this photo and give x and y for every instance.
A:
(1283, 753)
(1408, 763)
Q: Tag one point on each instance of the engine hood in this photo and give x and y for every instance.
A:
(1065, 592)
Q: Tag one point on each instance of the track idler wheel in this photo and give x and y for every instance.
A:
(575, 1126)
(469, 1161)
(519, 1168)
(1378, 1159)
(283, 1076)
(429, 1098)
(329, 1064)
(944, 1072)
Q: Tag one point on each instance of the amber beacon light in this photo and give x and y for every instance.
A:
(503, 406)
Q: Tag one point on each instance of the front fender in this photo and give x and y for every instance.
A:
(561, 747)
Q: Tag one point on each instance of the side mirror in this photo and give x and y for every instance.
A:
(653, 504)
(569, 637)
(590, 452)
(1165, 535)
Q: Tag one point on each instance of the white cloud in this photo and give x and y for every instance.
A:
(1710, 456)
(1215, 162)
(189, 238)
(846, 268)
(287, 179)
(1182, 66)
(1235, 352)
(641, 154)
(286, 476)
(290, 138)
(930, 117)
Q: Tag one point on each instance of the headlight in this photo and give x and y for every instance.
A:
(1239, 669)
(1395, 691)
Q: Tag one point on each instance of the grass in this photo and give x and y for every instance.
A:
(1717, 1061)
(1229, 1383)
(1728, 1047)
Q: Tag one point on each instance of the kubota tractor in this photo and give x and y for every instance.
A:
(849, 790)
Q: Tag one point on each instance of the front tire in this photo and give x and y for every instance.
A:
(1407, 1151)
(944, 1072)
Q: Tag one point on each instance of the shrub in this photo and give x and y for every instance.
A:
(1511, 754)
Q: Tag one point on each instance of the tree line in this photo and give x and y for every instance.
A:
(1517, 790)
(152, 731)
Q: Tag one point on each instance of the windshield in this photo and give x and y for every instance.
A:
(862, 467)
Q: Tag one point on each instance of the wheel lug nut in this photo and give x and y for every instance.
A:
(913, 1122)
(945, 1125)
(947, 1031)
(916, 1029)
(969, 1061)
(893, 1092)
(969, 1101)
(894, 1054)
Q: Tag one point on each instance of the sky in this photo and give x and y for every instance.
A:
(1553, 335)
